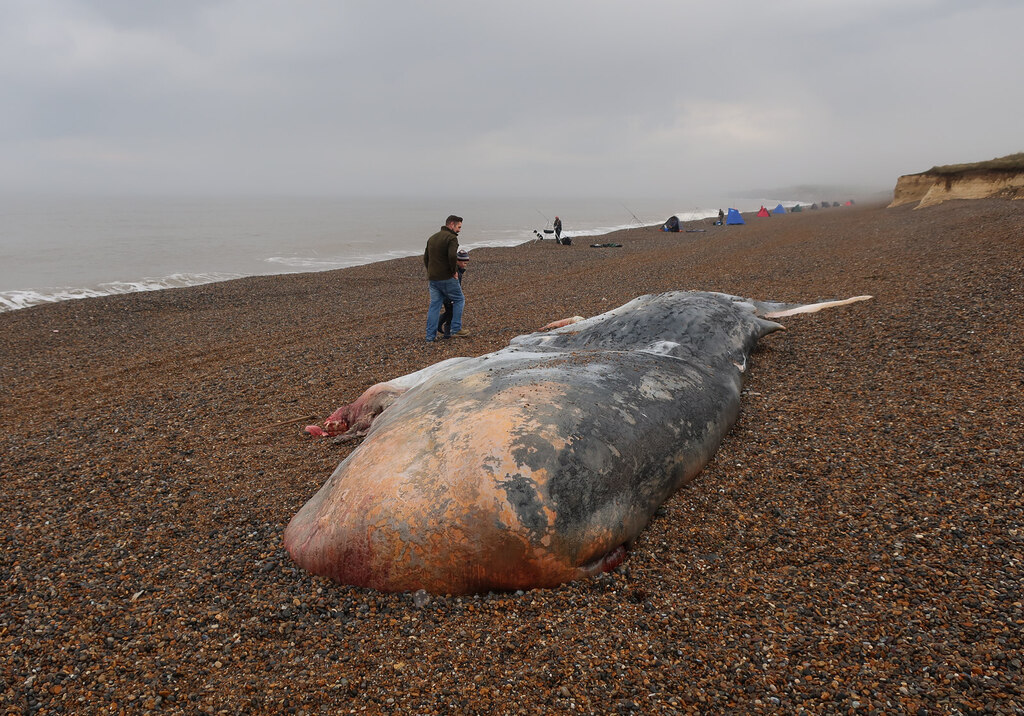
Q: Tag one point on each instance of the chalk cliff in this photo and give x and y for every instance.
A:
(930, 188)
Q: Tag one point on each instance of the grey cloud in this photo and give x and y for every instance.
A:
(553, 97)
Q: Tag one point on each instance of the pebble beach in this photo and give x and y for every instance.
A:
(855, 546)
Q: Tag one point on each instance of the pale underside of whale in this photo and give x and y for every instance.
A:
(539, 463)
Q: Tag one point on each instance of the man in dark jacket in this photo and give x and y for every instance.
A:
(441, 261)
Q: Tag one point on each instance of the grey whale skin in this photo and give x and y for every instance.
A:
(539, 463)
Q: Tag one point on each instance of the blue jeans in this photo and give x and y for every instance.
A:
(439, 291)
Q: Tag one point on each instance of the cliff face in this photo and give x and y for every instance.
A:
(928, 189)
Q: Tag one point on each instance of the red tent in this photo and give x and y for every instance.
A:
(763, 212)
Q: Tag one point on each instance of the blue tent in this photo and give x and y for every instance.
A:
(780, 209)
(734, 217)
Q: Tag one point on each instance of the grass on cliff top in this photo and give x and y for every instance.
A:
(1011, 162)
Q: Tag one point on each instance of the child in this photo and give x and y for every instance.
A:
(444, 325)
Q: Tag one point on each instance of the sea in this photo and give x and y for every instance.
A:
(64, 248)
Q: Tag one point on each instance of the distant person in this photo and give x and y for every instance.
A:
(444, 326)
(721, 217)
(441, 261)
(558, 230)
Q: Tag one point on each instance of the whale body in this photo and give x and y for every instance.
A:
(539, 463)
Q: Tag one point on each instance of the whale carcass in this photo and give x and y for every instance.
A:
(541, 462)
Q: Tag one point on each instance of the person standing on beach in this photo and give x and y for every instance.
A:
(558, 230)
(444, 326)
(441, 261)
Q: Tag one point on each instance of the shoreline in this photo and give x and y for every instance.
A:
(855, 543)
(319, 240)
(18, 299)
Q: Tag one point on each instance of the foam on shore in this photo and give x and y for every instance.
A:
(13, 300)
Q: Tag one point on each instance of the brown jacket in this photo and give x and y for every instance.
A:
(439, 256)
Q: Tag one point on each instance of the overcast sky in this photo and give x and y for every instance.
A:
(614, 98)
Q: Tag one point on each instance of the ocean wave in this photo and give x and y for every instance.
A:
(320, 263)
(16, 299)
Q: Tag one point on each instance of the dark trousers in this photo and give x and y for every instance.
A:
(444, 325)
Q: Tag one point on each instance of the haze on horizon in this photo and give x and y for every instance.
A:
(553, 98)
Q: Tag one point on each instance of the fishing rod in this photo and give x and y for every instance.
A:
(632, 214)
(547, 223)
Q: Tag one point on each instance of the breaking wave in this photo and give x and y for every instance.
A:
(13, 300)
(320, 263)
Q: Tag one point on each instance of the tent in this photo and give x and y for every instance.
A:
(671, 225)
(734, 217)
(763, 211)
(780, 209)
(797, 208)
(835, 203)
(814, 206)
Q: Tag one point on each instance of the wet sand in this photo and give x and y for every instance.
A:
(857, 543)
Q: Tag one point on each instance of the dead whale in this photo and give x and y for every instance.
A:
(539, 463)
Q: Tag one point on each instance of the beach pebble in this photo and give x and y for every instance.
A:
(854, 545)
